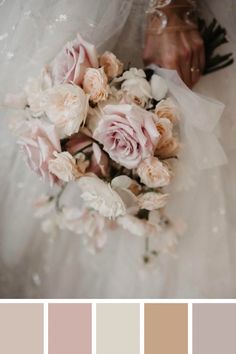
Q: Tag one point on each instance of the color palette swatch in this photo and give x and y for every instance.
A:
(166, 328)
(21, 329)
(127, 328)
(214, 328)
(118, 329)
(70, 328)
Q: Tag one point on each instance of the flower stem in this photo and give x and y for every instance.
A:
(58, 197)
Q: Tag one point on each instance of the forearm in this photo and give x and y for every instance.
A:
(173, 40)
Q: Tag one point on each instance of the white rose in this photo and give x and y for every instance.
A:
(152, 200)
(64, 167)
(67, 107)
(95, 84)
(136, 87)
(154, 173)
(100, 196)
(159, 87)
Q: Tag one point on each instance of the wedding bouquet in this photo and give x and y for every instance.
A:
(115, 134)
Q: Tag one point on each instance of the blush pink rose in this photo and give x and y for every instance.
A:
(128, 134)
(71, 63)
(39, 144)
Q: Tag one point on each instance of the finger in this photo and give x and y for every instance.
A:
(185, 67)
(195, 68)
(186, 59)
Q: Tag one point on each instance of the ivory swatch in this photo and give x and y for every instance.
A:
(70, 329)
(21, 328)
(118, 329)
(214, 328)
(166, 329)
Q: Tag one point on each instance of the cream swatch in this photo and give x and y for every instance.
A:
(118, 329)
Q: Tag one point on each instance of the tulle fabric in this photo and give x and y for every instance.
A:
(33, 264)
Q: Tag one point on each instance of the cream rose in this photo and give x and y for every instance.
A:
(168, 149)
(64, 167)
(67, 107)
(95, 84)
(153, 173)
(152, 200)
(112, 66)
(167, 145)
(165, 129)
(168, 109)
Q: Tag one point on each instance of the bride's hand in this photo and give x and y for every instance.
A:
(182, 50)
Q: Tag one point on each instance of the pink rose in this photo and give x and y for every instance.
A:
(128, 134)
(39, 143)
(71, 63)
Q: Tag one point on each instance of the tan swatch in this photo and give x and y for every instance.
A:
(118, 329)
(166, 329)
(21, 329)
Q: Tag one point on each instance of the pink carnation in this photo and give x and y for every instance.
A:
(71, 63)
(128, 134)
(39, 143)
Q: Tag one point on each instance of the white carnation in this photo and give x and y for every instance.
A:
(100, 196)
(64, 166)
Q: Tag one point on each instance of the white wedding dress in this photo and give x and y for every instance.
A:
(37, 265)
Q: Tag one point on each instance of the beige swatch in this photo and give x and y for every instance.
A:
(214, 328)
(118, 329)
(21, 328)
(166, 329)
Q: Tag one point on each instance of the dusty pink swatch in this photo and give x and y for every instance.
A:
(70, 328)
